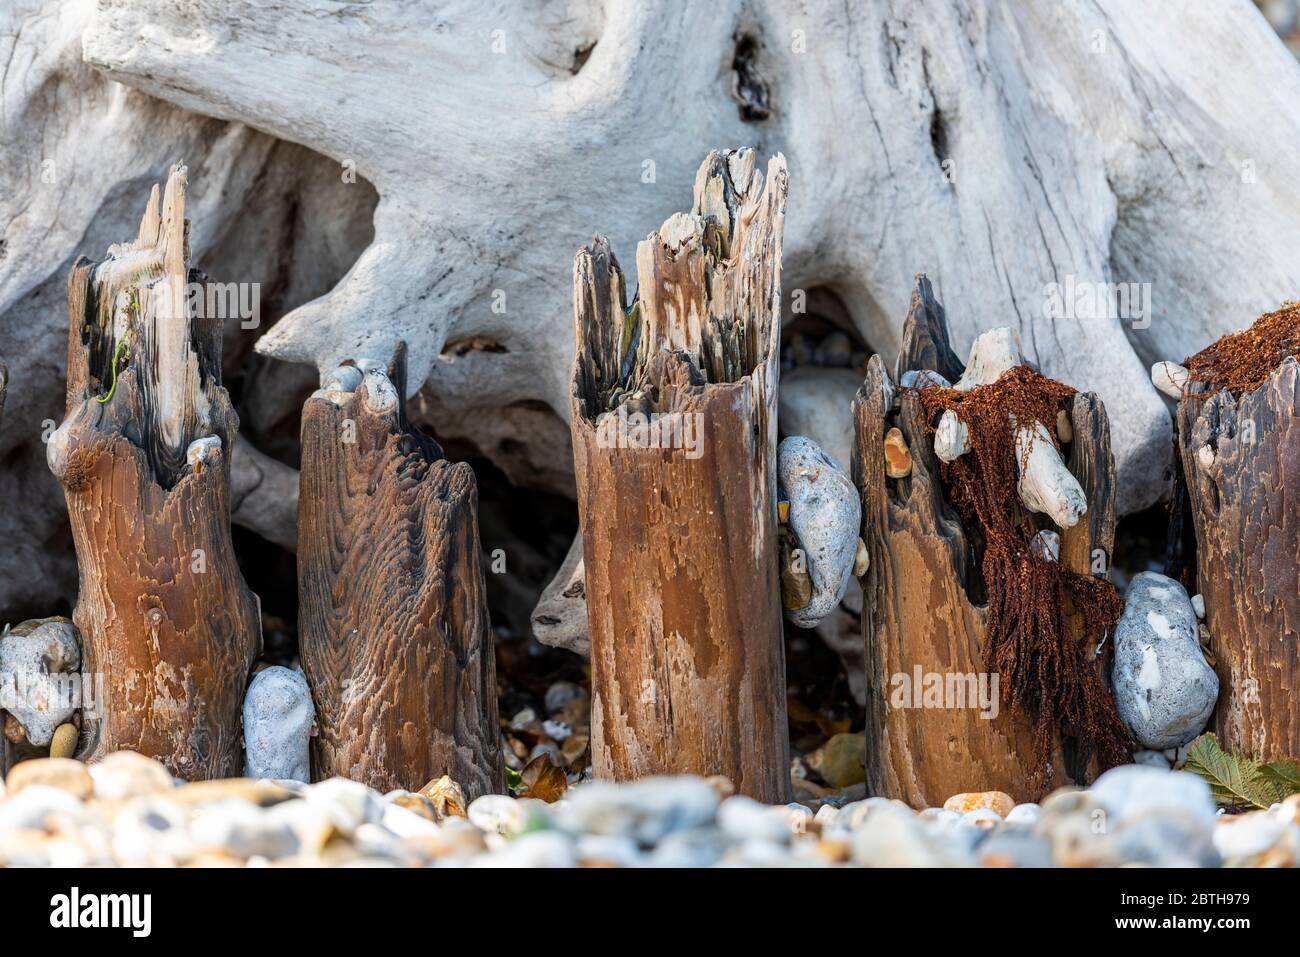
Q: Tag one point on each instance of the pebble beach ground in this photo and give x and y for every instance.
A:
(127, 810)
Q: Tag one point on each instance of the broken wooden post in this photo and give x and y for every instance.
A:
(1239, 450)
(674, 433)
(143, 456)
(937, 723)
(393, 622)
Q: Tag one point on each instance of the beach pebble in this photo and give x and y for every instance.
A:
(346, 378)
(1152, 759)
(1014, 847)
(278, 718)
(743, 819)
(446, 797)
(1046, 484)
(982, 818)
(1243, 836)
(557, 730)
(1170, 378)
(601, 850)
(560, 694)
(496, 814)
(241, 829)
(39, 660)
(1046, 545)
(825, 519)
(1064, 428)
(896, 837)
(898, 460)
(1198, 605)
(695, 847)
(1164, 689)
(349, 804)
(1024, 814)
(198, 452)
(951, 437)
(1131, 789)
(124, 775)
(645, 810)
(999, 802)
(842, 760)
(61, 773)
(923, 379)
(1133, 815)
(32, 807)
(63, 744)
(1156, 839)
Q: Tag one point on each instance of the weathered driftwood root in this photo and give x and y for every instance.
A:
(264, 496)
(1240, 457)
(393, 620)
(560, 618)
(936, 723)
(143, 456)
(679, 532)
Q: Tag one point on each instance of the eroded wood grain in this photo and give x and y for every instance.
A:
(393, 619)
(683, 602)
(166, 620)
(1240, 458)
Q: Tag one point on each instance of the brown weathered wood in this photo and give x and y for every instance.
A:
(683, 602)
(1086, 547)
(923, 601)
(164, 614)
(925, 336)
(393, 621)
(1245, 503)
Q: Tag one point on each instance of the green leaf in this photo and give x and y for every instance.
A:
(1285, 774)
(514, 780)
(1236, 780)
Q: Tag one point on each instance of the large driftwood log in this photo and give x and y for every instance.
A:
(679, 535)
(1240, 458)
(393, 620)
(954, 96)
(924, 607)
(143, 456)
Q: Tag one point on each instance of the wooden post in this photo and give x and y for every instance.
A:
(143, 456)
(1240, 457)
(393, 621)
(679, 524)
(924, 607)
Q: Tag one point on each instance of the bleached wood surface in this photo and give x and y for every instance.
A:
(999, 148)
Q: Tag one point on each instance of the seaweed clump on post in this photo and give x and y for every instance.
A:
(1238, 440)
(989, 548)
(674, 434)
(1045, 620)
